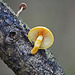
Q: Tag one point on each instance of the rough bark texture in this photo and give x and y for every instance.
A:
(15, 48)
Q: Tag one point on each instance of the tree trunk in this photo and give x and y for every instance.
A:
(15, 48)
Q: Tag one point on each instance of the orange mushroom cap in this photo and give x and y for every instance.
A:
(48, 37)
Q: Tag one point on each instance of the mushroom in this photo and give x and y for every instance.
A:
(42, 38)
(21, 7)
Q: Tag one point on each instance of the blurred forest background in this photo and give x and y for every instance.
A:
(59, 17)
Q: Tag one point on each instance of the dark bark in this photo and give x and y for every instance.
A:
(15, 48)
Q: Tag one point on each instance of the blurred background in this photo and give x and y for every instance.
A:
(59, 17)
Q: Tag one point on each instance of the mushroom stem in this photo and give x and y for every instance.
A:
(19, 11)
(37, 44)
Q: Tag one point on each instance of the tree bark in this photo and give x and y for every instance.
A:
(15, 48)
